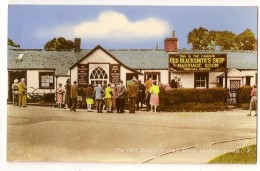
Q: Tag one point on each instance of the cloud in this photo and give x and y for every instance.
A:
(116, 26)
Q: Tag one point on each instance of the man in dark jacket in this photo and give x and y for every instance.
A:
(73, 96)
(141, 95)
(67, 94)
(132, 95)
(162, 95)
(120, 97)
(174, 82)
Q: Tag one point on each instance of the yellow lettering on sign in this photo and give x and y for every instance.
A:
(174, 60)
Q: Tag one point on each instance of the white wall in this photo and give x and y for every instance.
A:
(74, 74)
(213, 80)
(33, 81)
(100, 57)
(250, 73)
(164, 75)
(62, 80)
(123, 72)
(186, 78)
(243, 74)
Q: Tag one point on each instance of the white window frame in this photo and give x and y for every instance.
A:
(102, 77)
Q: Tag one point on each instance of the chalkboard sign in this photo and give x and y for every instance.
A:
(114, 73)
(82, 75)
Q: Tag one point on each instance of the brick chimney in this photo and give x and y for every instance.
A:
(171, 44)
(77, 42)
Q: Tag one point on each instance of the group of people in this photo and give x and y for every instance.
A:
(19, 93)
(176, 82)
(112, 97)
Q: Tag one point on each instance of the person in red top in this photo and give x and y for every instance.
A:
(253, 101)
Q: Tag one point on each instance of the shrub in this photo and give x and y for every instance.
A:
(244, 106)
(197, 107)
(213, 99)
(244, 95)
(197, 95)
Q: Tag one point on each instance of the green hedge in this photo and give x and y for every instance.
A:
(244, 95)
(213, 99)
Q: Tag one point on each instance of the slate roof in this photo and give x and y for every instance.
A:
(37, 59)
(143, 59)
(135, 59)
(242, 60)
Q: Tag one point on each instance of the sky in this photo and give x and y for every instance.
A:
(121, 27)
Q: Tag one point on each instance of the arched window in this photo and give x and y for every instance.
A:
(98, 75)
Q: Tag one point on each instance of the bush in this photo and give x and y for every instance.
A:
(197, 107)
(197, 95)
(244, 95)
(213, 99)
(244, 106)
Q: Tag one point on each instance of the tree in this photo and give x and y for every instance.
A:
(59, 44)
(245, 41)
(225, 40)
(203, 39)
(10, 42)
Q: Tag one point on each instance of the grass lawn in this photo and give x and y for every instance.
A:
(246, 155)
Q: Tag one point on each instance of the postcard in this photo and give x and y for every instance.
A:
(132, 84)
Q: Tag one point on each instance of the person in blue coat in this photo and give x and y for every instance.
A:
(99, 97)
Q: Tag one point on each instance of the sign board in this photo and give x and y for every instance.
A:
(198, 62)
(114, 73)
(82, 75)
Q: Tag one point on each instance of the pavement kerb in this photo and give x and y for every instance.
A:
(224, 141)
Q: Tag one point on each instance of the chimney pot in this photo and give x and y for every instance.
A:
(173, 34)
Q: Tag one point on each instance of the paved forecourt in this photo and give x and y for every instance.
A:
(51, 134)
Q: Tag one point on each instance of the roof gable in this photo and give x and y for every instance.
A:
(232, 73)
(106, 52)
(235, 73)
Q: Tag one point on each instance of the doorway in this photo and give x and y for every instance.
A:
(129, 76)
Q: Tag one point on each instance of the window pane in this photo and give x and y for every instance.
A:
(46, 80)
(98, 75)
(200, 80)
(51, 79)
